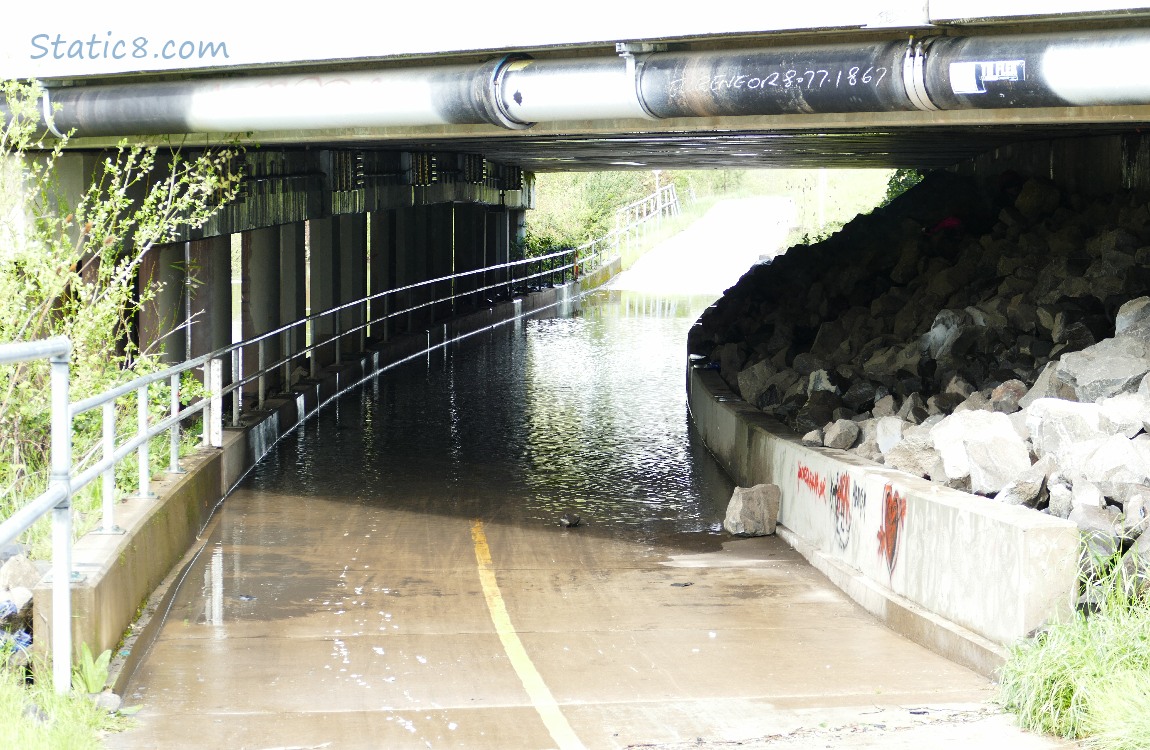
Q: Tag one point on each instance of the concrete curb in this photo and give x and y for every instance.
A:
(962, 575)
(128, 579)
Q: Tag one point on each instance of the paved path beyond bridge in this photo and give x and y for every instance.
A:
(370, 627)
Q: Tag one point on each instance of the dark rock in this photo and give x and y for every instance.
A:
(1037, 199)
(1005, 397)
(817, 411)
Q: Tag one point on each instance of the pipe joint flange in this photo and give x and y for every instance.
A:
(496, 110)
(46, 111)
(914, 75)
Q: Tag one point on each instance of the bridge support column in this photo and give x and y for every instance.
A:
(353, 276)
(470, 241)
(259, 299)
(411, 262)
(325, 274)
(499, 243)
(440, 257)
(293, 290)
(162, 317)
(382, 257)
(210, 296)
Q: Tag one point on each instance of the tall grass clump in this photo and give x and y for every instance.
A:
(34, 717)
(1089, 678)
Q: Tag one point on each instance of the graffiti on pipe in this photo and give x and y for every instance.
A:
(772, 80)
(890, 531)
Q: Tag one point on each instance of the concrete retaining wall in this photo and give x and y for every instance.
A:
(120, 572)
(964, 575)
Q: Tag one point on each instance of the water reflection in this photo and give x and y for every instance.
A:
(585, 411)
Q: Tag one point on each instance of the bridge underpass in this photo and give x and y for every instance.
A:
(392, 203)
(395, 574)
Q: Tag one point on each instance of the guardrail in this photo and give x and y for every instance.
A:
(633, 223)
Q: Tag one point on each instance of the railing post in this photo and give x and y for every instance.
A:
(313, 355)
(216, 428)
(237, 392)
(206, 412)
(287, 345)
(261, 381)
(174, 433)
(142, 452)
(108, 478)
(61, 463)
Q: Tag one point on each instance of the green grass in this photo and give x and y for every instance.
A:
(1088, 678)
(72, 721)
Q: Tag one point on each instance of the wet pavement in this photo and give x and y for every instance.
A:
(395, 575)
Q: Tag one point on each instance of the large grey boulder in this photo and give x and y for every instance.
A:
(1037, 199)
(1136, 513)
(1056, 425)
(888, 433)
(1112, 366)
(1027, 487)
(1115, 463)
(754, 380)
(982, 445)
(1046, 385)
(841, 434)
(1128, 412)
(753, 511)
(914, 454)
(1132, 315)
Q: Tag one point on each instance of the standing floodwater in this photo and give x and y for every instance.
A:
(584, 411)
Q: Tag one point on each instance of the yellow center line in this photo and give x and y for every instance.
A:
(537, 690)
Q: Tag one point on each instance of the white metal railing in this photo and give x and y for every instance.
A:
(226, 363)
(633, 223)
(57, 499)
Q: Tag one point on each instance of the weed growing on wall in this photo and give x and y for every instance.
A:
(73, 270)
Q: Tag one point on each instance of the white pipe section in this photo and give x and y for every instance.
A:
(542, 91)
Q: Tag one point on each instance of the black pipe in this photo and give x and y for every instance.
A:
(776, 81)
(1000, 72)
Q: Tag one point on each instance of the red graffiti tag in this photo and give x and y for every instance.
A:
(812, 480)
(893, 515)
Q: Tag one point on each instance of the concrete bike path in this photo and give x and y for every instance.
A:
(331, 623)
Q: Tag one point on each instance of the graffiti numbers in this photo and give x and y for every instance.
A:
(791, 78)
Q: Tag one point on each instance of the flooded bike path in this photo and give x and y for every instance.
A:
(395, 574)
